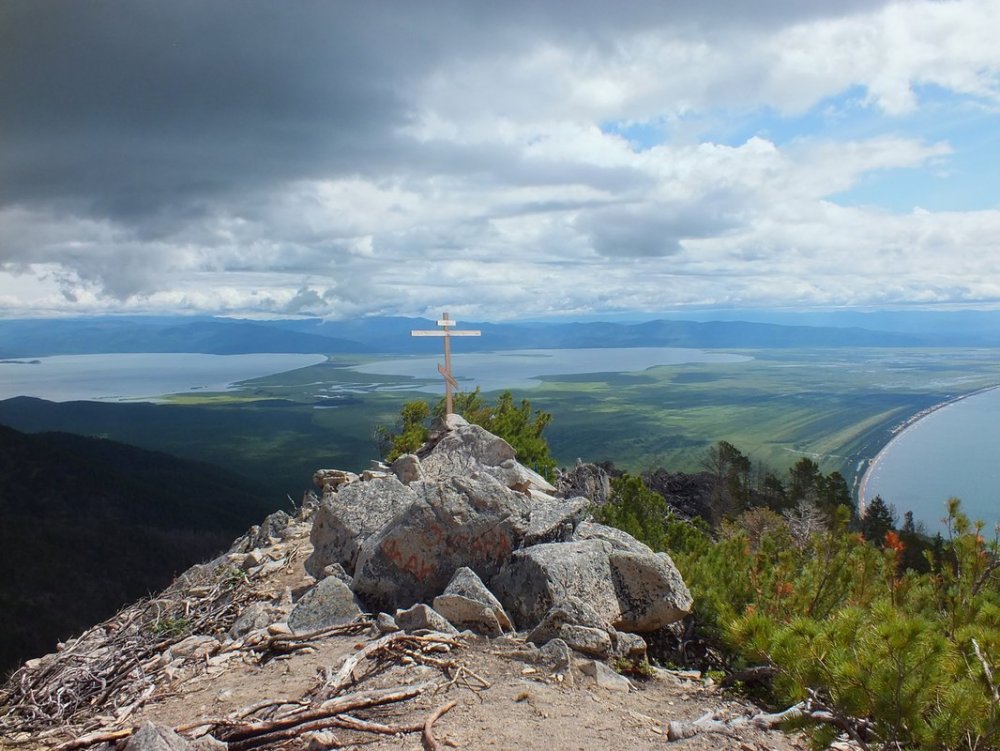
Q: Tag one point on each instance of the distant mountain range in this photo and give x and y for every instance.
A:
(89, 525)
(42, 337)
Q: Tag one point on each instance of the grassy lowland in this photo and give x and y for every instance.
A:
(835, 406)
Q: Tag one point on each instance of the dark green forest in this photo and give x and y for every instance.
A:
(90, 525)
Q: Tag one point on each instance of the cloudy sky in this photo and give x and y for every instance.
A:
(498, 160)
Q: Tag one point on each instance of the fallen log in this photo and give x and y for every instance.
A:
(857, 729)
(92, 739)
(678, 730)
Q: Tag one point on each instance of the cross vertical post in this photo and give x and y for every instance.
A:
(447, 332)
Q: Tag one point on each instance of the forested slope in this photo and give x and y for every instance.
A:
(90, 525)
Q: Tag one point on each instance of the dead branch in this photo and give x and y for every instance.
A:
(987, 671)
(353, 723)
(118, 665)
(429, 741)
(325, 711)
(92, 739)
(810, 710)
(287, 643)
(708, 723)
(345, 675)
(245, 712)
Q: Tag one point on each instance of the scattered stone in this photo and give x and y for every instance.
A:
(253, 559)
(279, 629)
(407, 469)
(337, 571)
(274, 527)
(208, 743)
(422, 616)
(605, 677)
(568, 610)
(467, 603)
(587, 640)
(345, 520)
(150, 737)
(630, 646)
(320, 740)
(386, 624)
(194, 647)
(557, 655)
(253, 617)
(331, 480)
(329, 603)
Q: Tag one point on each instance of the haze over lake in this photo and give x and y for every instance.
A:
(137, 377)
(953, 451)
(521, 369)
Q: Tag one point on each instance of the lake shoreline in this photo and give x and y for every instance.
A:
(896, 433)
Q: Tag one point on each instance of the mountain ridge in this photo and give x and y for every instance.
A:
(391, 335)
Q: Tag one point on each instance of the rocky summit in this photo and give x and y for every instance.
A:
(463, 506)
(454, 579)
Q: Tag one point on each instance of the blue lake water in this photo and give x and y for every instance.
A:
(521, 369)
(137, 377)
(953, 451)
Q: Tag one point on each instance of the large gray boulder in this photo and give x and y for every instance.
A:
(632, 591)
(329, 603)
(344, 520)
(535, 578)
(651, 592)
(460, 521)
(518, 477)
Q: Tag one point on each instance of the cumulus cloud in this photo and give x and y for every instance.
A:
(337, 160)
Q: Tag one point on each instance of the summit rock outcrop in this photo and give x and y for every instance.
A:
(464, 503)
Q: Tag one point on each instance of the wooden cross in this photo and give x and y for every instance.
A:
(447, 332)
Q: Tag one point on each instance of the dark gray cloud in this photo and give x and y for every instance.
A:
(133, 108)
(649, 230)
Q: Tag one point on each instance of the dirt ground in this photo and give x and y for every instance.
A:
(526, 705)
